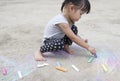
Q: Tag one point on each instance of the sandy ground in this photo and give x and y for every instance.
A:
(21, 30)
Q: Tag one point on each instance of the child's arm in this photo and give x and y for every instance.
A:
(85, 40)
(66, 29)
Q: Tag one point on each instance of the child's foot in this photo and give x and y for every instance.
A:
(38, 56)
(67, 49)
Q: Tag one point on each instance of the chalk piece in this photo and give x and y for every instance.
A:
(90, 59)
(61, 69)
(104, 68)
(46, 64)
(75, 68)
(41, 65)
(95, 55)
(19, 74)
(4, 71)
(58, 64)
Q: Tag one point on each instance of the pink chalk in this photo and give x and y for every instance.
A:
(4, 71)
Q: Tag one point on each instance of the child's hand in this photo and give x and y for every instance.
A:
(92, 50)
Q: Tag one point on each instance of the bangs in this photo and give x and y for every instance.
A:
(86, 6)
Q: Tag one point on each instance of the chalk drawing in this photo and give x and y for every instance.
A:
(26, 67)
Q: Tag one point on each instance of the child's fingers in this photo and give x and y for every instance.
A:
(94, 51)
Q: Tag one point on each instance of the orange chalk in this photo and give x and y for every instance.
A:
(61, 68)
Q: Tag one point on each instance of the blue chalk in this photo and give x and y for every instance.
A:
(58, 64)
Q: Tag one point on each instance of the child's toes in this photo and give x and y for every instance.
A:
(40, 59)
(43, 59)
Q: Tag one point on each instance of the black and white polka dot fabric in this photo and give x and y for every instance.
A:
(53, 44)
(66, 39)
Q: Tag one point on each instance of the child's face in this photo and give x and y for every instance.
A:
(75, 14)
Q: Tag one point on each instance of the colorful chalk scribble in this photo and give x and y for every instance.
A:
(109, 61)
(12, 66)
(105, 56)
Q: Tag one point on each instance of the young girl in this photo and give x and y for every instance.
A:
(60, 32)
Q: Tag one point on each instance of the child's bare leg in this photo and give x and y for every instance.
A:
(38, 56)
(68, 49)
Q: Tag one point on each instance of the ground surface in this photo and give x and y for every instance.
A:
(21, 30)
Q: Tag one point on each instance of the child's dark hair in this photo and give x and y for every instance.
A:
(84, 5)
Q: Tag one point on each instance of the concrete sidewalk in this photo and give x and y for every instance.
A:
(21, 30)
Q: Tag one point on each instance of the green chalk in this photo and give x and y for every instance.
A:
(90, 59)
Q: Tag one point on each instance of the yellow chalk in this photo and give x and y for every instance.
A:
(104, 68)
(61, 68)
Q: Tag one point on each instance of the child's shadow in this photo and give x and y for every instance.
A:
(57, 55)
(61, 54)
